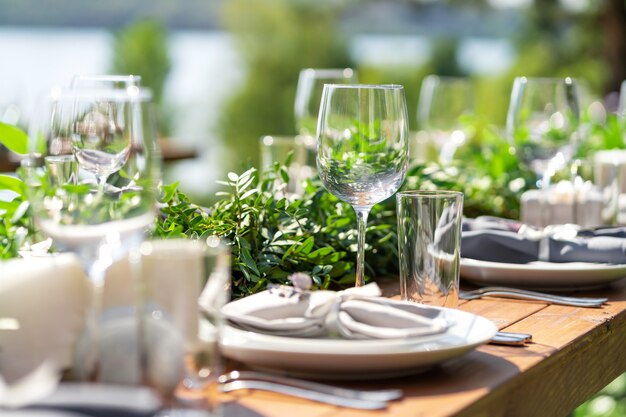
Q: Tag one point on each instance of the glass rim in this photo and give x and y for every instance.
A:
(131, 94)
(366, 86)
(106, 77)
(429, 193)
(269, 140)
(329, 72)
(453, 78)
(181, 248)
(545, 80)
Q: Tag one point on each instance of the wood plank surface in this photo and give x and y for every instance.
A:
(576, 352)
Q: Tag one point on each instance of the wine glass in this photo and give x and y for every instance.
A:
(106, 81)
(307, 104)
(542, 124)
(362, 148)
(443, 101)
(91, 136)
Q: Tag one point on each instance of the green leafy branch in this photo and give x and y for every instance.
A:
(15, 223)
(272, 235)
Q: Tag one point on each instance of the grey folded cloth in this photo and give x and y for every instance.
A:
(356, 313)
(502, 240)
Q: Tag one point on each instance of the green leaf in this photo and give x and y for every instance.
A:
(249, 193)
(248, 261)
(13, 138)
(169, 191)
(20, 212)
(8, 182)
(306, 246)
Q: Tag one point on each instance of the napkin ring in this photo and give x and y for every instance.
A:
(301, 285)
(285, 291)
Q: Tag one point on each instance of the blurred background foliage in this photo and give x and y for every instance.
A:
(142, 49)
(279, 38)
(276, 40)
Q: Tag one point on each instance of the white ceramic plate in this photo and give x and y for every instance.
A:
(356, 359)
(542, 275)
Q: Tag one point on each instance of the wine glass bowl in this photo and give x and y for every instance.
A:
(442, 104)
(91, 176)
(101, 141)
(362, 148)
(105, 81)
(309, 93)
(542, 124)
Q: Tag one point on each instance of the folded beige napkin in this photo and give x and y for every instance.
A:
(356, 313)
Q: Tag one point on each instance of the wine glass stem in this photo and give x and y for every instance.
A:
(545, 210)
(87, 365)
(102, 180)
(361, 220)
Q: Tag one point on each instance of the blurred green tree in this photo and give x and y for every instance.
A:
(141, 49)
(276, 39)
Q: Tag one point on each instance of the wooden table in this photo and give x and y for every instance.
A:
(575, 353)
(171, 151)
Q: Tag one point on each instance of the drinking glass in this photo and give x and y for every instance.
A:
(307, 104)
(95, 135)
(105, 81)
(185, 284)
(309, 93)
(362, 148)
(276, 149)
(443, 101)
(542, 124)
(429, 232)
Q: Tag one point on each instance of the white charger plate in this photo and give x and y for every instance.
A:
(542, 275)
(356, 359)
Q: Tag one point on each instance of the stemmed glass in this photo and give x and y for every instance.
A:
(88, 135)
(307, 104)
(443, 101)
(309, 93)
(542, 124)
(105, 81)
(362, 148)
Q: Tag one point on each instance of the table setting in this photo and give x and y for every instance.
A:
(183, 321)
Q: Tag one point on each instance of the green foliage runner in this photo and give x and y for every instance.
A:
(273, 235)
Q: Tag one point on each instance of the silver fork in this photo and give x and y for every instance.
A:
(532, 295)
(308, 390)
(304, 393)
(370, 395)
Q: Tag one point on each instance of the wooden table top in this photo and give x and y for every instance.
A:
(575, 353)
(171, 150)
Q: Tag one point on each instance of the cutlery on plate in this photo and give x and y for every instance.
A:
(371, 395)
(303, 393)
(532, 295)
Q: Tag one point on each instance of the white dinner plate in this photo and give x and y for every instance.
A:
(542, 275)
(356, 359)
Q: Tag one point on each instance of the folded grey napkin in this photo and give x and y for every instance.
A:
(355, 313)
(502, 240)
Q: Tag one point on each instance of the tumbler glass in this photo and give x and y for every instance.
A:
(429, 230)
(185, 284)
